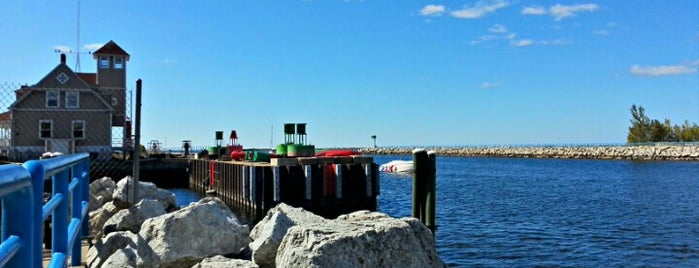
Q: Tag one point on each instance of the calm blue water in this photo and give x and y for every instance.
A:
(548, 212)
(502, 212)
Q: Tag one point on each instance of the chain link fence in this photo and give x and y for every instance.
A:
(39, 122)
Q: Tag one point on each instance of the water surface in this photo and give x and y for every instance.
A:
(553, 212)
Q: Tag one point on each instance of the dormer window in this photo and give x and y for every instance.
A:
(119, 63)
(51, 99)
(104, 62)
(72, 99)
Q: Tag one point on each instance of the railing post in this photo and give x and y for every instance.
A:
(17, 224)
(36, 171)
(60, 215)
(84, 171)
(76, 213)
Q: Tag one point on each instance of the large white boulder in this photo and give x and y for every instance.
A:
(269, 232)
(122, 258)
(360, 239)
(107, 246)
(219, 261)
(185, 237)
(99, 217)
(101, 190)
(146, 190)
(132, 218)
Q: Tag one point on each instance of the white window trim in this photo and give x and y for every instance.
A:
(58, 98)
(103, 59)
(77, 99)
(72, 129)
(40, 129)
(118, 62)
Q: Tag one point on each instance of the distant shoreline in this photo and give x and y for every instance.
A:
(683, 152)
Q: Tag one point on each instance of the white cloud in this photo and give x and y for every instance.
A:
(491, 85)
(498, 31)
(534, 11)
(62, 49)
(93, 47)
(432, 10)
(498, 28)
(559, 11)
(169, 61)
(522, 42)
(661, 70)
(480, 9)
(601, 32)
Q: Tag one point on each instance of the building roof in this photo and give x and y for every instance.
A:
(6, 116)
(89, 78)
(111, 48)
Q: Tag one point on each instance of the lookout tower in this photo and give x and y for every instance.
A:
(111, 78)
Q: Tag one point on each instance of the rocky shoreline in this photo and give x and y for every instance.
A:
(154, 232)
(684, 152)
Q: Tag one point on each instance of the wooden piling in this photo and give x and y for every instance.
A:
(424, 187)
(327, 186)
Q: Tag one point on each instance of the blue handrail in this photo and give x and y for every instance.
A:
(21, 189)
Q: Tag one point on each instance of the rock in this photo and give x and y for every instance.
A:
(219, 261)
(269, 232)
(106, 246)
(99, 217)
(132, 218)
(101, 190)
(146, 190)
(360, 239)
(185, 237)
(122, 258)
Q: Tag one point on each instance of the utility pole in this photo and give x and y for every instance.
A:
(133, 195)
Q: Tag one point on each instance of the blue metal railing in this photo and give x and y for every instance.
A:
(21, 190)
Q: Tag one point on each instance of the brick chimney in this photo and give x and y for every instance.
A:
(63, 58)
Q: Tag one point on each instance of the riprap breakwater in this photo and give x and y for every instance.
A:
(677, 152)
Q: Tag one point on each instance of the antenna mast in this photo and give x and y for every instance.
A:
(77, 45)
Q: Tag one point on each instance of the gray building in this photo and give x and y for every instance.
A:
(71, 112)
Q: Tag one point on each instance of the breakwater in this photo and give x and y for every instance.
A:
(675, 152)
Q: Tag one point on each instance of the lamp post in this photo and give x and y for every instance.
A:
(374, 138)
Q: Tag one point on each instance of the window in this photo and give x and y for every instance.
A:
(51, 99)
(72, 99)
(114, 101)
(78, 129)
(104, 62)
(119, 63)
(45, 129)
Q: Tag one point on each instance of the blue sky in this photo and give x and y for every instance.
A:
(411, 72)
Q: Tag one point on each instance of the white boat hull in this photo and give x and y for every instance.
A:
(397, 166)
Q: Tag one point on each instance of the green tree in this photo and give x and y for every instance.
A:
(689, 132)
(643, 129)
(640, 130)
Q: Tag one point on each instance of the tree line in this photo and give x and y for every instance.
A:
(643, 129)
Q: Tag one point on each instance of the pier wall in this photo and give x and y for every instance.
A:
(675, 152)
(327, 186)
